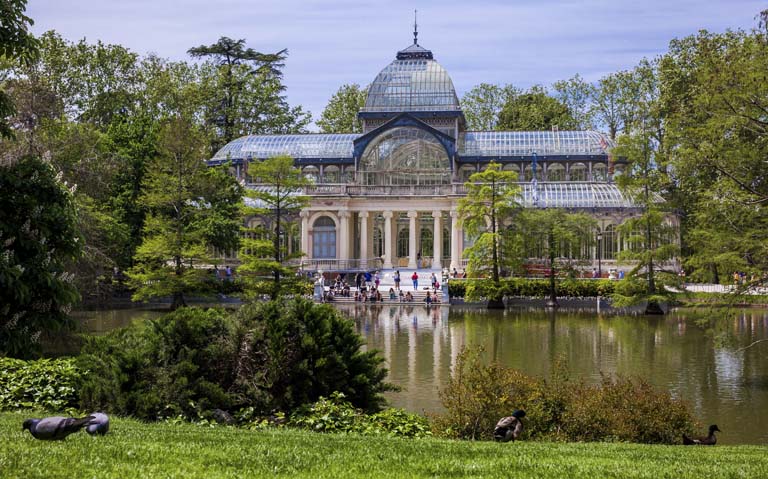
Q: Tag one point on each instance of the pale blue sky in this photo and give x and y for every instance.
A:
(521, 42)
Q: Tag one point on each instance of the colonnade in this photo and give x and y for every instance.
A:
(355, 235)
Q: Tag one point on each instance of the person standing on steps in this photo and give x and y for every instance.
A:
(397, 280)
(415, 279)
(433, 280)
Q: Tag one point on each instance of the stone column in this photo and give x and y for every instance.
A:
(387, 239)
(363, 238)
(305, 246)
(412, 215)
(343, 238)
(437, 240)
(455, 241)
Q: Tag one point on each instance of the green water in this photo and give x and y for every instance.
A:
(725, 385)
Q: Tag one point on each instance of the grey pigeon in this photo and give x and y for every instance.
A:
(98, 425)
(54, 428)
(509, 428)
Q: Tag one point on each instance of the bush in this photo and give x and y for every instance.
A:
(266, 357)
(532, 288)
(337, 415)
(180, 364)
(294, 352)
(49, 384)
(621, 409)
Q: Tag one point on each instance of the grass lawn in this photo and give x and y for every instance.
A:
(137, 450)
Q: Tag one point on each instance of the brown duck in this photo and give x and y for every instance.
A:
(710, 440)
(509, 428)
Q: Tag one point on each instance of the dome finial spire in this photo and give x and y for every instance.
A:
(415, 28)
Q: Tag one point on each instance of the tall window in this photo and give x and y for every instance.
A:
(324, 238)
(378, 242)
(609, 242)
(446, 243)
(426, 242)
(403, 241)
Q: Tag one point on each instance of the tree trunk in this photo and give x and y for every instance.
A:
(178, 301)
(552, 301)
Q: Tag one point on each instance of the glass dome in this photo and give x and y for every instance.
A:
(405, 156)
(413, 82)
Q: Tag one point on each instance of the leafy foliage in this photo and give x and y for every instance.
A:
(191, 209)
(267, 356)
(16, 43)
(535, 110)
(491, 201)
(534, 288)
(340, 114)
(39, 239)
(334, 414)
(272, 210)
(49, 384)
(621, 409)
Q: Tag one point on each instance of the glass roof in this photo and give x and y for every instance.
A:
(523, 143)
(574, 195)
(296, 146)
(413, 82)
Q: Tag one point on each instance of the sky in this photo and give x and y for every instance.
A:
(522, 42)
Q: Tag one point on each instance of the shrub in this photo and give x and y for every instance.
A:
(620, 409)
(268, 356)
(180, 364)
(337, 415)
(533, 288)
(294, 352)
(43, 384)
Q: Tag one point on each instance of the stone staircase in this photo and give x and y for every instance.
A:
(387, 281)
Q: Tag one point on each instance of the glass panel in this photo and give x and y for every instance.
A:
(523, 143)
(405, 156)
(412, 85)
(324, 238)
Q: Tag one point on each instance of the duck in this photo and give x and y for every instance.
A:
(509, 428)
(710, 440)
(55, 428)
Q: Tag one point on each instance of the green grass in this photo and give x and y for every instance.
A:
(137, 450)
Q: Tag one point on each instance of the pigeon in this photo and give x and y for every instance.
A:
(54, 428)
(98, 425)
(710, 440)
(509, 428)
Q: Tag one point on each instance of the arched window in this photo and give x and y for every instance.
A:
(324, 238)
(465, 172)
(426, 242)
(331, 174)
(578, 172)
(312, 173)
(599, 172)
(403, 243)
(555, 172)
(528, 175)
(405, 156)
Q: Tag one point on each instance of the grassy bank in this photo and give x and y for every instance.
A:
(139, 450)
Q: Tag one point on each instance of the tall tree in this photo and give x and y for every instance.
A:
(236, 64)
(16, 44)
(535, 110)
(483, 103)
(192, 209)
(340, 114)
(559, 232)
(577, 95)
(491, 200)
(651, 237)
(275, 203)
(715, 90)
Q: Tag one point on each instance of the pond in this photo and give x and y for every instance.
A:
(725, 384)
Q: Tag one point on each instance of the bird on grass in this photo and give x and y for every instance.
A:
(98, 425)
(509, 428)
(710, 440)
(54, 428)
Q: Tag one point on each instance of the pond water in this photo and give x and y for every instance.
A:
(725, 384)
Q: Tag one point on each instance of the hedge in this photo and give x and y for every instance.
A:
(538, 288)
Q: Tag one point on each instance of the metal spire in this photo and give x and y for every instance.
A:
(415, 29)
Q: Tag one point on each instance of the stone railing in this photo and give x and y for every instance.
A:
(384, 190)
